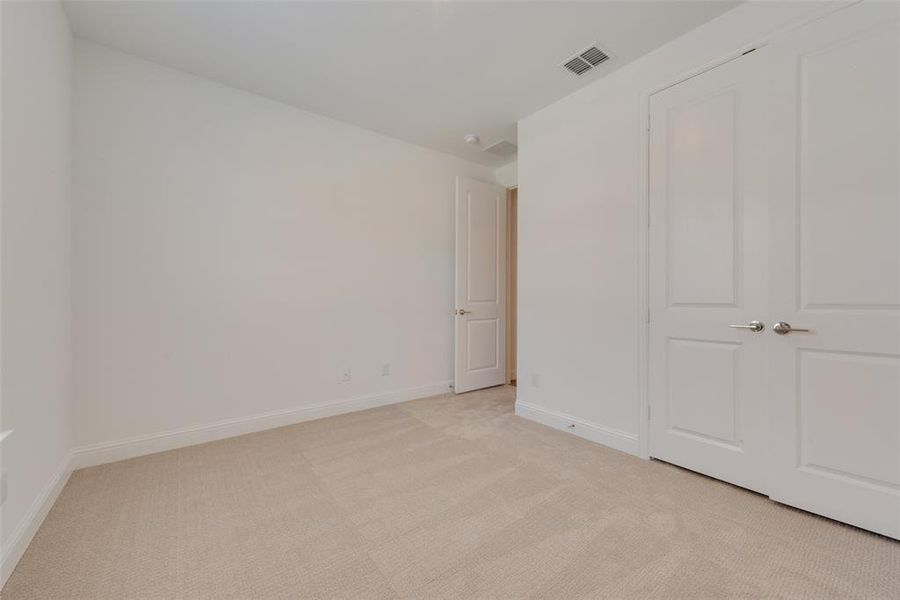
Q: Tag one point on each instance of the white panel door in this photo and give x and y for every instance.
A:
(708, 259)
(480, 285)
(835, 267)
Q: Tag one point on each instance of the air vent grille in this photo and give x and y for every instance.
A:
(585, 60)
(594, 55)
(578, 66)
(503, 149)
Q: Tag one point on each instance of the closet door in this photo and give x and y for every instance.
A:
(708, 257)
(835, 267)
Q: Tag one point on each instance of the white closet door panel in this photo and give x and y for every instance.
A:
(836, 267)
(708, 260)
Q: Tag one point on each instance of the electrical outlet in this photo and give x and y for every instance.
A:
(2, 487)
(385, 369)
(345, 374)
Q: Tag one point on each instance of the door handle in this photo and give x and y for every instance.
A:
(462, 312)
(754, 326)
(782, 328)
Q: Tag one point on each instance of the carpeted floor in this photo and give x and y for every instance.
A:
(448, 497)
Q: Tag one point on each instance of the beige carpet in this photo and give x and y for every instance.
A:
(448, 497)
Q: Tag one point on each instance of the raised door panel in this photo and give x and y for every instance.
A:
(703, 393)
(482, 250)
(482, 338)
(701, 197)
(848, 184)
(850, 416)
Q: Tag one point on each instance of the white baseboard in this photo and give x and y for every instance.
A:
(37, 512)
(614, 438)
(107, 452)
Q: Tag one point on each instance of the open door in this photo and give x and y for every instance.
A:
(480, 313)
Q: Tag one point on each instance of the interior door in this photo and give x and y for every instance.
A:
(708, 262)
(836, 267)
(480, 312)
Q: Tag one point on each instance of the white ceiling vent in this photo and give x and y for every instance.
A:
(503, 149)
(585, 60)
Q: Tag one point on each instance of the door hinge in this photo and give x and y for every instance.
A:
(648, 412)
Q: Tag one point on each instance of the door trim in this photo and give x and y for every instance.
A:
(512, 256)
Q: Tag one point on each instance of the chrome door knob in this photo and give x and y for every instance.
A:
(462, 312)
(782, 328)
(754, 326)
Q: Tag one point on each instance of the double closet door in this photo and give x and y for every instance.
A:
(775, 269)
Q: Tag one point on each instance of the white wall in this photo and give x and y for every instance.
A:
(35, 312)
(234, 254)
(581, 171)
(507, 175)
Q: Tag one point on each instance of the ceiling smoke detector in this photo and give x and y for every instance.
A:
(471, 138)
(585, 60)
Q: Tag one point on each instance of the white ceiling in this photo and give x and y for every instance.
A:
(425, 72)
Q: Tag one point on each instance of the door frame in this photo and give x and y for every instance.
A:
(512, 280)
(643, 208)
